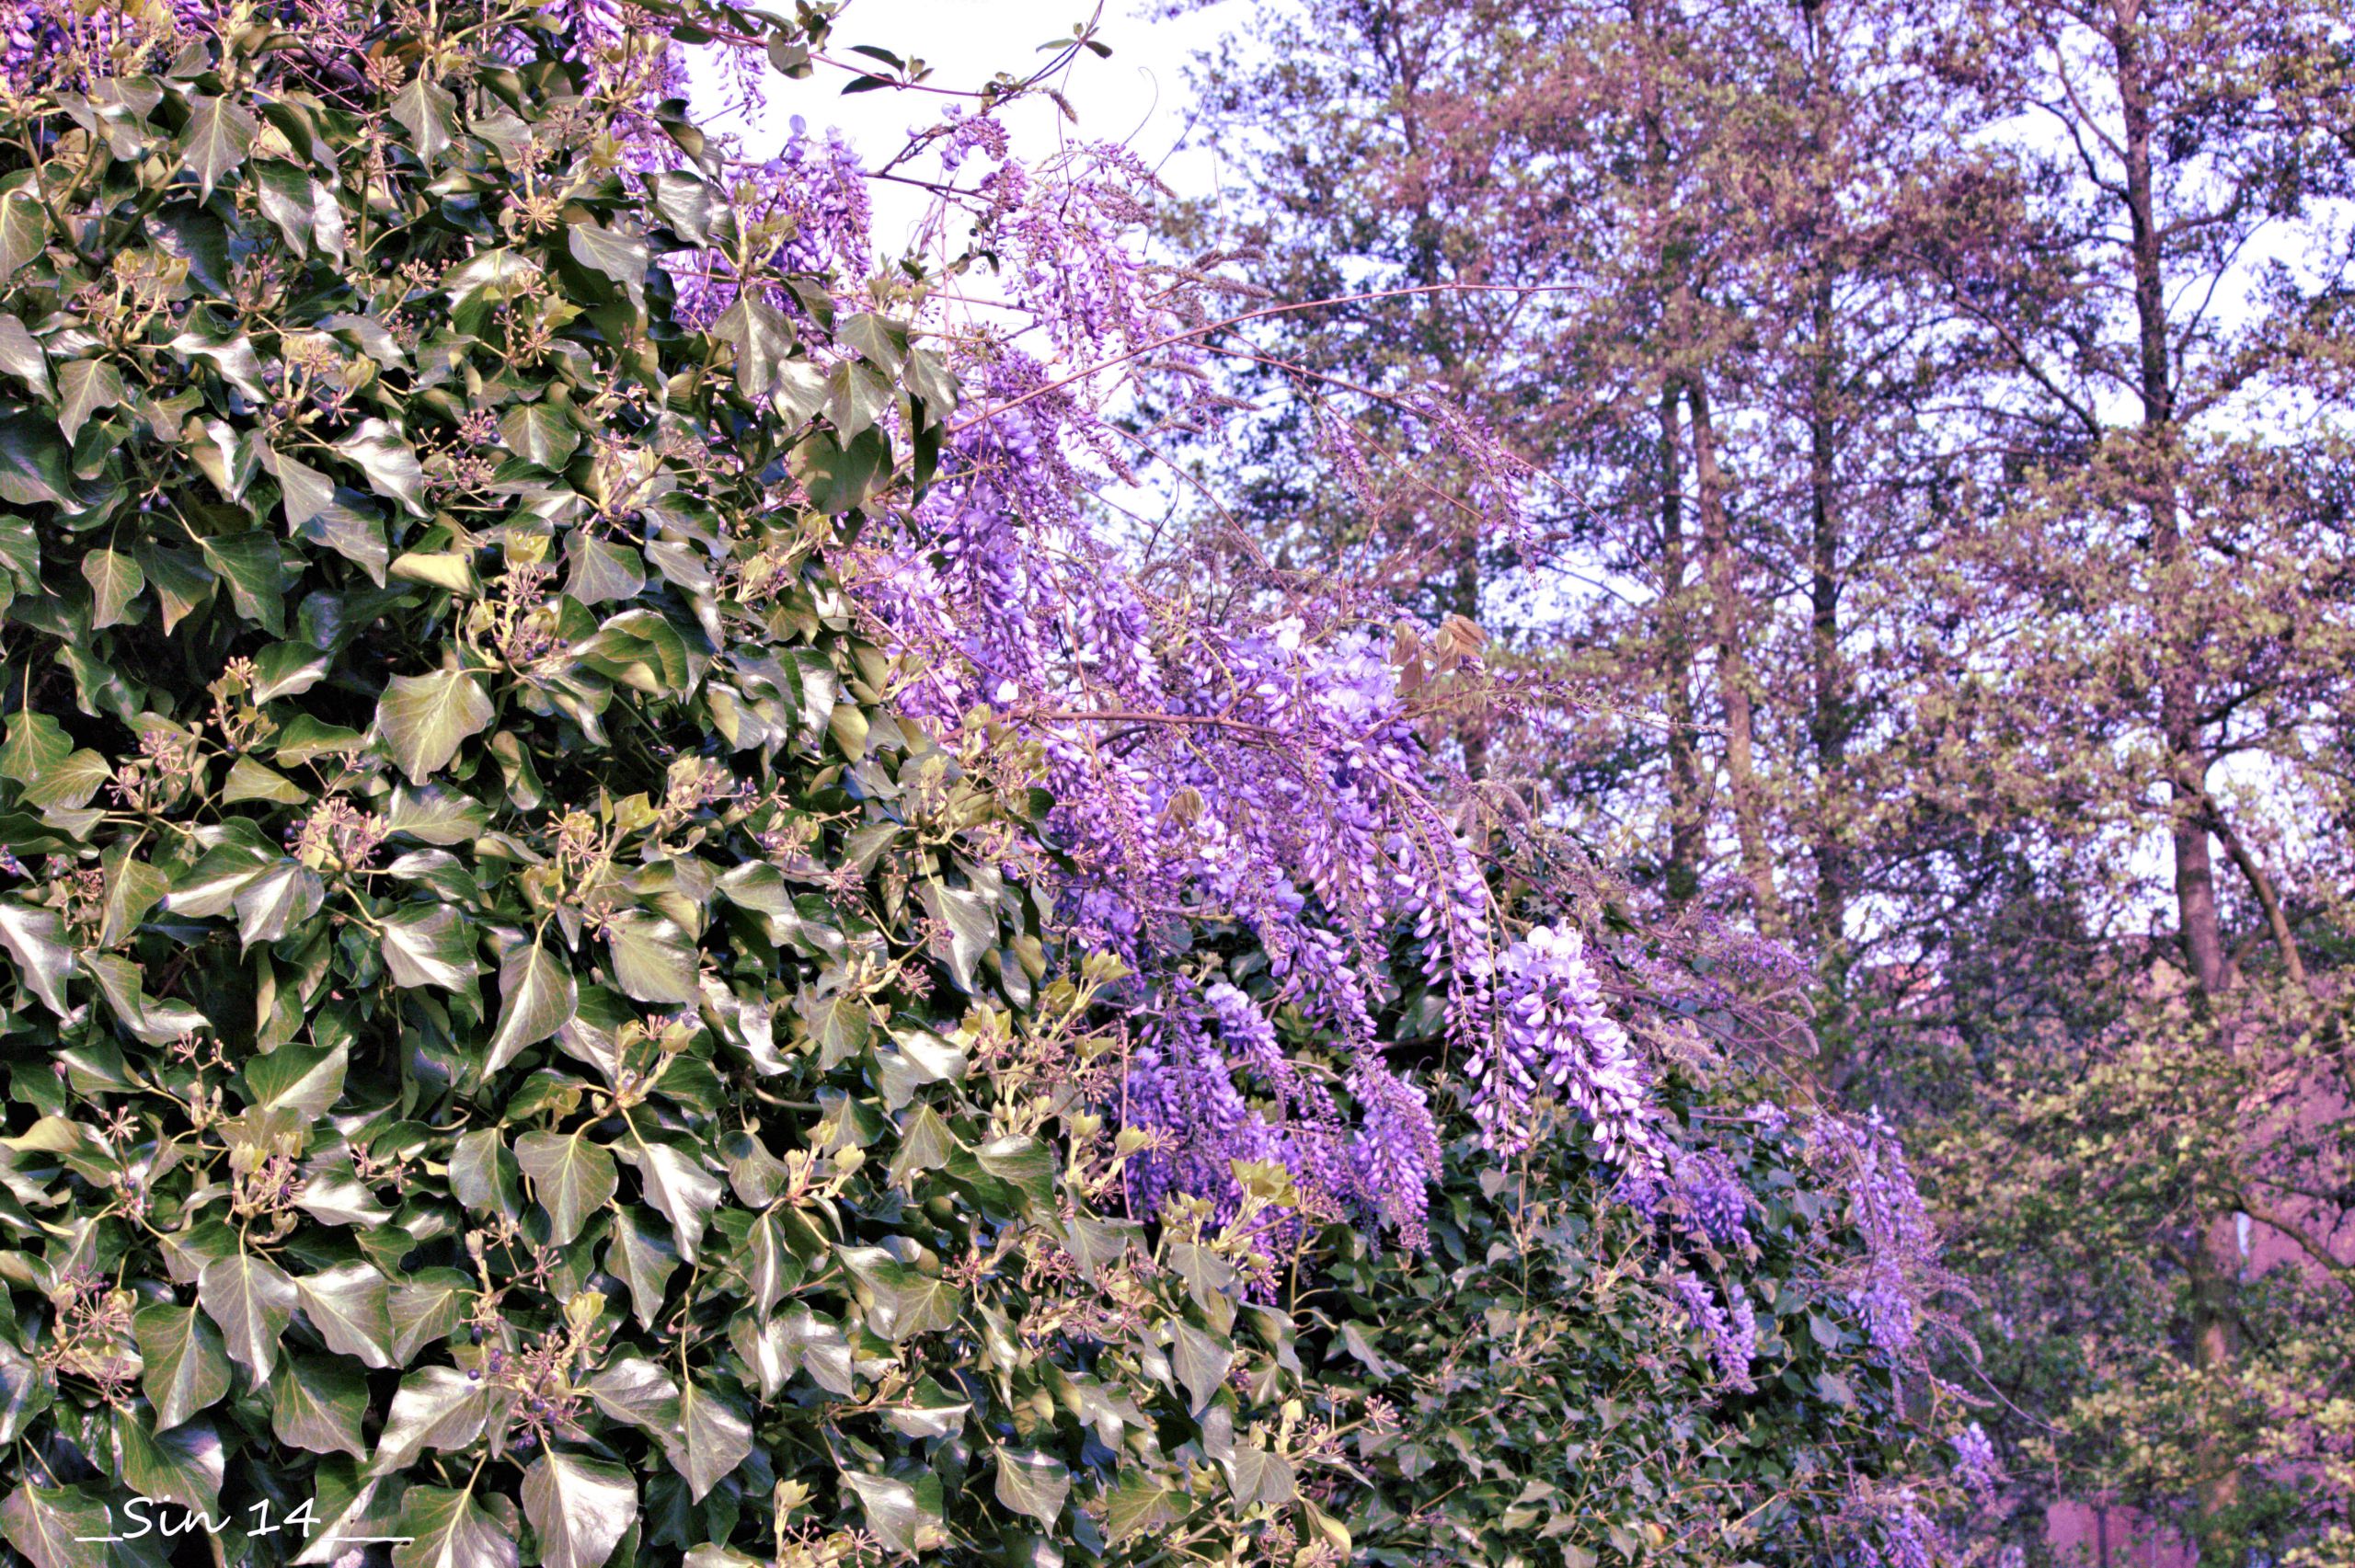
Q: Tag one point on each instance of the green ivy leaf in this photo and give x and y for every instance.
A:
(452, 1529)
(253, 1301)
(1033, 1484)
(24, 231)
(425, 719)
(219, 134)
(183, 1465)
(1137, 1503)
(303, 1081)
(437, 1407)
(348, 1306)
(115, 580)
(571, 1177)
(430, 945)
(653, 959)
(379, 451)
(643, 1258)
(85, 386)
(539, 432)
(537, 996)
(429, 112)
(57, 1527)
(1201, 1359)
(717, 1438)
(580, 1507)
(905, 1517)
(184, 1366)
(677, 1184)
(36, 940)
(316, 1404)
(34, 466)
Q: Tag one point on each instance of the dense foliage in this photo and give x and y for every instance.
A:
(1943, 436)
(603, 967)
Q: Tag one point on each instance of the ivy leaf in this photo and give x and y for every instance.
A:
(537, 996)
(253, 1301)
(761, 337)
(24, 231)
(36, 939)
(642, 1258)
(636, 1392)
(115, 580)
(484, 1176)
(304, 492)
(315, 1406)
(84, 387)
(602, 571)
(907, 1301)
(430, 945)
(219, 134)
(348, 1306)
(1033, 1484)
(275, 903)
(621, 256)
(677, 1184)
(425, 1306)
(425, 719)
(969, 922)
(1024, 1163)
(183, 1465)
(251, 565)
(437, 1407)
(1201, 1359)
(303, 1081)
(925, 1144)
(184, 1367)
(33, 466)
(285, 192)
(718, 1438)
(571, 1177)
(539, 432)
(379, 451)
(904, 1516)
(452, 1529)
(249, 780)
(57, 1527)
(1137, 1503)
(819, 1348)
(427, 111)
(581, 1507)
(36, 743)
(653, 960)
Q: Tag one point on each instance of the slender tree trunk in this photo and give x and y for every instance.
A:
(1829, 715)
(1684, 785)
(2215, 1320)
(1687, 800)
(2195, 870)
(1735, 693)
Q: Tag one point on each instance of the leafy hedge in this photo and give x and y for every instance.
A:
(514, 1044)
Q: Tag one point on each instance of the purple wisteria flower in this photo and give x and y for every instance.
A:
(1553, 1037)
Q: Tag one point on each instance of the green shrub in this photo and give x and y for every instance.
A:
(510, 1043)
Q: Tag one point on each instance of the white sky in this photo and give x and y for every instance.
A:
(1138, 97)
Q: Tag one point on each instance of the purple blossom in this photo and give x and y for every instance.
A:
(1553, 1035)
(1732, 1327)
(1900, 1245)
(1975, 1464)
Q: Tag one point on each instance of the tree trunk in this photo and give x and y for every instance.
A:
(1683, 875)
(1830, 718)
(1736, 696)
(2215, 1317)
(1687, 801)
